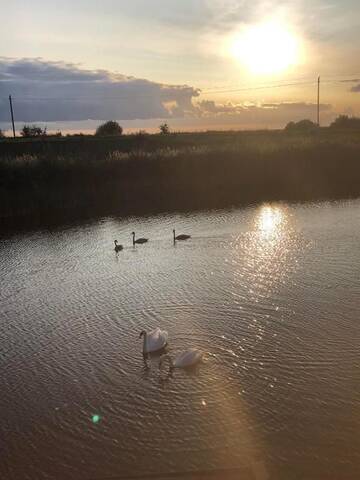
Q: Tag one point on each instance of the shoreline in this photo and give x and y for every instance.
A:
(203, 172)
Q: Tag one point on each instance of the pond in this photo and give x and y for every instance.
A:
(269, 293)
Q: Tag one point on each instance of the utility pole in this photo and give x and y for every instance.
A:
(318, 103)
(12, 115)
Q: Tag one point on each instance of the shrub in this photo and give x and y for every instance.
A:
(344, 121)
(2, 135)
(141, 134)
(30, 131)
(164, 128)
(305, 126)
(109, 128)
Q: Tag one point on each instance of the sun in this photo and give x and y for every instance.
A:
(266, 48)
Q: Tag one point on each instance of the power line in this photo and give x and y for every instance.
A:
(293, 81)
(266, 87)
(127, 97)
(202, 92)
(104, 98)
(263, 87)
(151, 95)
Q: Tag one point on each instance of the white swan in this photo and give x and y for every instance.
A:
(154, 340)
(182, 360)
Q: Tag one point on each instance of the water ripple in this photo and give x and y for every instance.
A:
(269, 294)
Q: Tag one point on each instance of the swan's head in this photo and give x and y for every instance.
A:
(115, 241)
(132, 233)
(142, 333)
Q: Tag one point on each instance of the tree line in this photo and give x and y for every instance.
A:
(342, 122)
(109, 128)
(112, 128)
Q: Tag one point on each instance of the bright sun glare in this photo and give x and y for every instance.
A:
(269, 219)
(266, 48)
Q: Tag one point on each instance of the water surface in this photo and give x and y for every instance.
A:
(270, 293)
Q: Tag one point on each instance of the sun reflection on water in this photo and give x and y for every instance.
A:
(267, 253)
(270, 219)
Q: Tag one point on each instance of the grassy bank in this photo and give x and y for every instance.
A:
(153, 173)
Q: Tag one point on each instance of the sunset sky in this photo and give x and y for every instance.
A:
(199, 64)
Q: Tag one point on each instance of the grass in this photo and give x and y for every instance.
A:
(153, 173)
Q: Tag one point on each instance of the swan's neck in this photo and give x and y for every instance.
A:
(133, 238)
(174, 235)
(144, 343)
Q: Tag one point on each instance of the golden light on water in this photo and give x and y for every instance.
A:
(271, 236)
(269, 219)
(267, 252)
(266, 48)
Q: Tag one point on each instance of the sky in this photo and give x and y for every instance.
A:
(196, 64)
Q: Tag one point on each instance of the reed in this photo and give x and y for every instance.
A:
(175, 172)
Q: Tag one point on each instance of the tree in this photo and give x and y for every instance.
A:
(2, 135)
(164, 128)
(344, 121)
(109, 128)
(305, 126)
(31, 131)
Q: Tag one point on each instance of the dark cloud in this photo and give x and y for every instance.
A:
(356, 88)
(56, 91)
(59, 92)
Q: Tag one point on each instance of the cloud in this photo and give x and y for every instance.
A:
(356, 88)
(53, 92)
(351, 80)
(56, 91)
(270, 115)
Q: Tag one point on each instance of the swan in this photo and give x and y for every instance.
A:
(154, 340)
(117, 247)
(182, 360)
(182, 236)
(138, 240)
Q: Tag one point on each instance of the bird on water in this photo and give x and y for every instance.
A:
(138, 240)
(154, 340)
(182, 236)
(185, 359)
(117, 246)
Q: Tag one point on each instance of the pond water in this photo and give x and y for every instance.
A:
(270, 293)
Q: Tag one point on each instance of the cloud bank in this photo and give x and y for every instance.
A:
(266, 115)
(56, 91)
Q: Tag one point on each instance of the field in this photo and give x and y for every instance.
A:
(52, 179)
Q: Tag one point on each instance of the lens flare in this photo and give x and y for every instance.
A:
(96, 418)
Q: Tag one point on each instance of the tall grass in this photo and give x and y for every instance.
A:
(185, 171)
